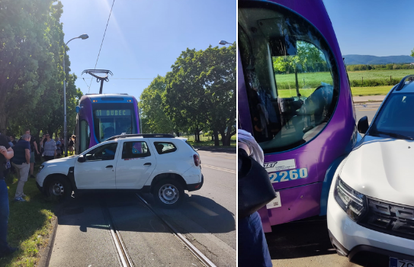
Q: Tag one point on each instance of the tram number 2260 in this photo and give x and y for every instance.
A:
(290, 175)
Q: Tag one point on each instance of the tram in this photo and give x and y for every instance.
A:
(294, 97)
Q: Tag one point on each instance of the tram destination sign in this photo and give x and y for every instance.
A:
(112, 112)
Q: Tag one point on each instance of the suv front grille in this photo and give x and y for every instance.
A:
(389, 218)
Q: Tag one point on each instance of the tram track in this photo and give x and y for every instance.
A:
(122, 253)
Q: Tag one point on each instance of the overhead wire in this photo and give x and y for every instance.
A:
(103, 38)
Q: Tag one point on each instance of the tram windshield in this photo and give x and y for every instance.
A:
(290, 73)
(110, 120)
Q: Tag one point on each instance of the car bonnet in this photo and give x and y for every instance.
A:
(382, 168)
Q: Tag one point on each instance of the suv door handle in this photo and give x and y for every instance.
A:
(109, 166)
(147, 164)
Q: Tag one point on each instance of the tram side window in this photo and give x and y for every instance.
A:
(85, 135)
(291, 77)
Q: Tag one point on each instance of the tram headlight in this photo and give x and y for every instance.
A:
(351, 201)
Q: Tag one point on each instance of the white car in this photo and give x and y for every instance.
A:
(161, 164)
(371, 201)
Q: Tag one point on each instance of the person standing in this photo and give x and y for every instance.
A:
(58, 147)
(70, 144)
(33, 148)
(21, 162)
(6, 153)
(253, 249)
(49, 146)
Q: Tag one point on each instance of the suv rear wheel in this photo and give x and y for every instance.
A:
(59, 187)
(168, 193)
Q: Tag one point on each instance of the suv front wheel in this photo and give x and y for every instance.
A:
(59, 187)
(168, 193)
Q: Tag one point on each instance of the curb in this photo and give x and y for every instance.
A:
(367, 101)
(217, 149)
(46, 253)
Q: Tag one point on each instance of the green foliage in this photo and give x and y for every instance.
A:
(377, 90)
(307, 58)
(31, 73)
(200, 92)
(379, 67)
(366, 78)
(153, 117)
(376, 77)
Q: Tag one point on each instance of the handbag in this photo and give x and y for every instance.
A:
(254, 187)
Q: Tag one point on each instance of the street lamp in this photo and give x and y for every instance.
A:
(83, 37)
(222, 42)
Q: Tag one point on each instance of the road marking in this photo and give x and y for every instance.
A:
(219, 168)
(203, 209)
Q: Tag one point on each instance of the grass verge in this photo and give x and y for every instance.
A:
(365, 91)
(30, 224)
(208, 141)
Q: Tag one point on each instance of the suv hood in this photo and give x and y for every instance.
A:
(67, 160)
(381, 168)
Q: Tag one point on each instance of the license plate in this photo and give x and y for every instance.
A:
(394, 262)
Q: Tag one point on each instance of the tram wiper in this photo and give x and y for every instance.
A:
(396, 135)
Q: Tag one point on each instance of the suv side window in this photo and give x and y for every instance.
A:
(105, 152)
(165, 147)
(132, 150)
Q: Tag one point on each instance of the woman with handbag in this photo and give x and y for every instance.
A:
(255, 191)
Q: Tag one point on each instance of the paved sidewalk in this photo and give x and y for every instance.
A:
(369, 98)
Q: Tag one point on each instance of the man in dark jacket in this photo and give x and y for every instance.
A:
(6, 153)
(21, 161)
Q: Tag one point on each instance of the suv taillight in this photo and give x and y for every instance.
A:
(197, 160)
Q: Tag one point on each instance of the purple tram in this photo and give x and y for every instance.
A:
(294, 97)
(100, 116)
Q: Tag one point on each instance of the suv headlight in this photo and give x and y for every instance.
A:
(351, 201)
(41, 167)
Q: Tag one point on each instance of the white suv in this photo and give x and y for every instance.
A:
(158, 163)
(371, 201)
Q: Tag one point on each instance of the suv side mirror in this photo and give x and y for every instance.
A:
(81, 158)
(363, 125)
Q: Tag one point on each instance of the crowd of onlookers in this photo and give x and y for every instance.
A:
(19, 157)
(41, 149)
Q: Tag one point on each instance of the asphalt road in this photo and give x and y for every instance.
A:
(206, 219)
(366, 109)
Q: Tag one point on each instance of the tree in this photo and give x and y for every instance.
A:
(200, 92)
(31, 68)
(153, 115)
(308, 58)
(219, 81)
(26, 65)
(184, 99)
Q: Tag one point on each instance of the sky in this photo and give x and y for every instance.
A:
(373, 27)
(143, 38)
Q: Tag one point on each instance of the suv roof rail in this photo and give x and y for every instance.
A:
(409, 78)
(140, 135)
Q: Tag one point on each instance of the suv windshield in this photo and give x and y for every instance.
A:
(395, 118)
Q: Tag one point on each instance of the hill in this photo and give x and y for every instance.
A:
(374, 60)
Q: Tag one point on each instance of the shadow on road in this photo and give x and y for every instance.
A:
(300, 239)
(130, 214)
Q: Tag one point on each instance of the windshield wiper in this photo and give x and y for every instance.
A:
(395, 135)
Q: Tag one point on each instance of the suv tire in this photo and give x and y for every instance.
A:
(168, 193)
(59, 187)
